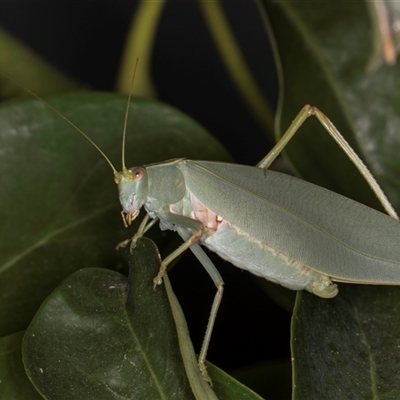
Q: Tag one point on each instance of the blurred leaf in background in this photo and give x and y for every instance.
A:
(28, 69)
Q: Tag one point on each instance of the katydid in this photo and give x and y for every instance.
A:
(275, 226)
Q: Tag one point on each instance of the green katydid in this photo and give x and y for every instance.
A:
(248, 216)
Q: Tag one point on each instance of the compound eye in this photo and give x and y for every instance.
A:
(137, 174)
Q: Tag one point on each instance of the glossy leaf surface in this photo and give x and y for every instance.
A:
(100, 335)
(346, 347)
(14, 383)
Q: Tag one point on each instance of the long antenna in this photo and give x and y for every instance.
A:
(64, 118)
(126, 118)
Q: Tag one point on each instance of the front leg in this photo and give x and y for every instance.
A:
(179, 221)
(143, 228)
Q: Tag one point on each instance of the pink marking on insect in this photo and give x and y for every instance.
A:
(305, 269)
(277, 253)
(204, 215)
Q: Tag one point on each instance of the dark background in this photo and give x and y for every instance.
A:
(85, 40)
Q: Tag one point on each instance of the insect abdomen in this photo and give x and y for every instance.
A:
(248, 253)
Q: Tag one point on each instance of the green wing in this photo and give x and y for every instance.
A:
(326, 231)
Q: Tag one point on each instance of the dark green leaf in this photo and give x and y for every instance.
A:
(14, 384)
(347, 347)
(100, 335)
(29, 69)
(60, 210)
(228, 387)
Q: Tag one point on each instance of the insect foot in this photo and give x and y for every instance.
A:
(323, 287)
(132, 242)
(204, 373)
(158, 279)
(123, 244)
(163, 268)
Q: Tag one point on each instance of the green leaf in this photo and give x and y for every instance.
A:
(228, 388)
(101, 335)
(139, 44)
(29, 69)
(347, 347)
(14, 384)
(60, 209)
(198, 380)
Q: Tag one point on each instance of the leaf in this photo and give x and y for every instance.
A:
(60, 210)
(347, 346)
(101, 335)
(228, 388)
(198, 380)
(28, 69)
(139, 44)
(14, 383)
